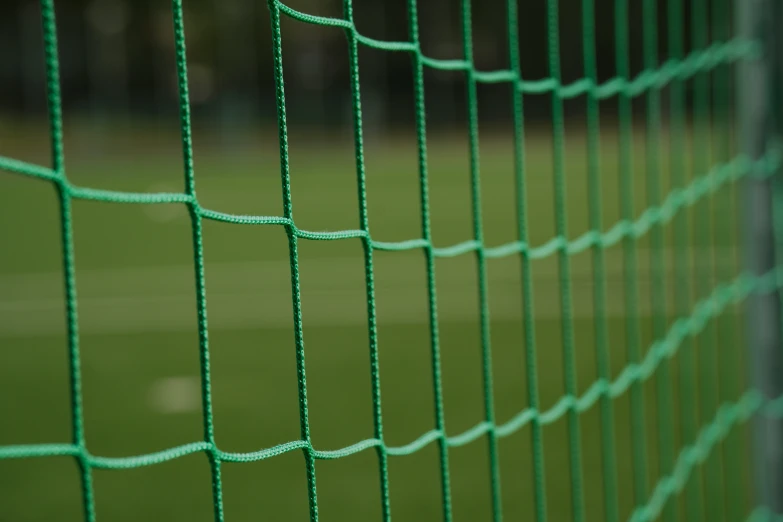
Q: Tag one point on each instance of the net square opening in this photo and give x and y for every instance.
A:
(38, 489)
(138, 327)
(251, 336)
(275, 487)
(34, 373)
(179, 489)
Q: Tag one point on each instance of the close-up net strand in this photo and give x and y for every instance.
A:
(704, 423)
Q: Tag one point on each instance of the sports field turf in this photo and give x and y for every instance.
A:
(139, 344)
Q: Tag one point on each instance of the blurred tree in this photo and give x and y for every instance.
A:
(117, 54)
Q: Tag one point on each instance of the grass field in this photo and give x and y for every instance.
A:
(139, 344)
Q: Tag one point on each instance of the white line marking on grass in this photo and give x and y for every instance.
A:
(246, 295)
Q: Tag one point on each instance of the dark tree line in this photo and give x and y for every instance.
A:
(117, 55)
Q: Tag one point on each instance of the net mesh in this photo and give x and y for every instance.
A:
(675, 467)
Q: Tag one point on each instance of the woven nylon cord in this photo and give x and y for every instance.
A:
(706, 418)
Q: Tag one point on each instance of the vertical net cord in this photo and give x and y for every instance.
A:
(364, 224)
(757, 99)
(478, 235)
(772, 141)
(285, 177)
(198, 255)
(54, 103)
(682, 282)
(752, 84)
(663, 383)
(426, 233)
(707, 354)
(528, 319)
(777, 219)
(630, 265)
(564, 265)
(771, 479)
(603, 360)
(776, 186)
(732, 447)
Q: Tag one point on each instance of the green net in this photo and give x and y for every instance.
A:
(720, 288)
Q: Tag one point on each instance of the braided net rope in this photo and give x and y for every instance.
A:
(694, 318)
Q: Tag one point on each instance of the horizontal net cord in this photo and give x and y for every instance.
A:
(704, 311)
(695, 62)
(730, 414)
(677, 199)
(673, 475)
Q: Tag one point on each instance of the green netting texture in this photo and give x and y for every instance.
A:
(676, 465)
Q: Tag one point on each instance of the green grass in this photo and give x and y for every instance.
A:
(140, 348)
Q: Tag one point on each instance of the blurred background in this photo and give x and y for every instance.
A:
(117, 58)
(135, 280)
